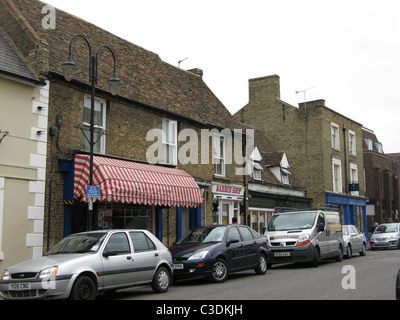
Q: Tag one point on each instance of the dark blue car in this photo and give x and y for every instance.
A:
(215, 251)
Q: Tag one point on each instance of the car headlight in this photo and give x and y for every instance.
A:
(303, 239)
(48, 273)
(199, 255)
(6, 275)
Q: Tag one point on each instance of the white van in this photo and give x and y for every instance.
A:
(305, 236)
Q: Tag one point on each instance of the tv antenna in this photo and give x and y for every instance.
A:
(305, 99)
(180, 61)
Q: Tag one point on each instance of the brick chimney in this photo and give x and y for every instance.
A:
(197, 72)
(264, 89)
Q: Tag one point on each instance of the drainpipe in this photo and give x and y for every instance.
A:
(345, 161)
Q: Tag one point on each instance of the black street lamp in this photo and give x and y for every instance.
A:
(69, 69)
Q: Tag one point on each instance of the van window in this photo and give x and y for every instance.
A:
(321, 219)
(292, 221)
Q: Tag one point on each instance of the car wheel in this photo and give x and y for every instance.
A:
(316, 258)
(84, 289)
(363, 251)
(339, 256)
(219, 271)
(161, 280)
(349, 252)
(262, 265)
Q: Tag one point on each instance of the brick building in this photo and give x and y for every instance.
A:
(155, 95)
(324, 147)
(381, 181)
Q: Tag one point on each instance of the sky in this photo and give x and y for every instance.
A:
(345, 52)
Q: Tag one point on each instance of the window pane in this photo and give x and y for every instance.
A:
(118, 242)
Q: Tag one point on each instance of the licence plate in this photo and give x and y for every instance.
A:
(282, 254)
(178, 266)
(19, 286)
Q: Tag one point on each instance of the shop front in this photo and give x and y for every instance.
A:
(132, 195)
(227, 200)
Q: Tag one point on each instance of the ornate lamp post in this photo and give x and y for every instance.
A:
(69, 69)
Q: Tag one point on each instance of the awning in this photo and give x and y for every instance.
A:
(133, 182)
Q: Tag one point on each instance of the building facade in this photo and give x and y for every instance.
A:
(324, 147)
(381, 181)
(23, 149)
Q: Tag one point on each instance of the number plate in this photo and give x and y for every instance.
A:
(178, 266)
(19, 286)
(282, 254)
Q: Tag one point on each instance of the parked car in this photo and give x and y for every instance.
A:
(386, 236)
(298, 236)
(84, 264)
(218, 250)
(354, 241)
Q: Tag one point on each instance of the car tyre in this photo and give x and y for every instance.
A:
(161, 280)
(84, 289)
(349, 252)
(363, 251)
(316, 258)
(262, 265)
(339, 256)
(220, 271)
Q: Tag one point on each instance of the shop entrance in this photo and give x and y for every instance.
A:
(228, 210)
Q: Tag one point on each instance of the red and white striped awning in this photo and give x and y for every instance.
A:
(132, 182)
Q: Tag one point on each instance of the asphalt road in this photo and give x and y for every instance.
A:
(371, 277)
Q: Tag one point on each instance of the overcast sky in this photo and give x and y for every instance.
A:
(348, 52)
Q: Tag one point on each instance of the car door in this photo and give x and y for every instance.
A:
(118, 265)
(249, 245)
(323, 235)
(145, 256)
(235, 249)
(355, 239)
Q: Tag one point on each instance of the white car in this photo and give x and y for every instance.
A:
(354, 241)
(386, 236)
(84, 264)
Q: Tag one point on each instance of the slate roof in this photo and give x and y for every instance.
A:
(11, 63)
(147, 79)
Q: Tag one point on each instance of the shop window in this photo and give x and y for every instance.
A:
(169, 142)
(99, 137)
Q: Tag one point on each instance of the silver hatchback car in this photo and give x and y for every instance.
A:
(354, 241)
(386, 236)
(84, 264)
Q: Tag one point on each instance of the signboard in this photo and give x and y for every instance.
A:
(92, 192)
(228, 189)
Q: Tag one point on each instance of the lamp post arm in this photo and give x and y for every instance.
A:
(90, 52)
(97, 58)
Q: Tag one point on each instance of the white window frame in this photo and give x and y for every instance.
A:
(352, 143)
(219, 151)
(379, 147)
(285, 178)
(169, 142)
(335, 136)
(354, 176)
(337, 181)
(100, 145)
(369, 144)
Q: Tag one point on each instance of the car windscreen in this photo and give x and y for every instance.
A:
(79, 243)
(386, 228)
(292, 221)
(201, 235)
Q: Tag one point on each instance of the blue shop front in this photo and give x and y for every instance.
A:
(132, 195)
(353, 209)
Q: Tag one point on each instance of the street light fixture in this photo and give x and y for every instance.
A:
(70, 70)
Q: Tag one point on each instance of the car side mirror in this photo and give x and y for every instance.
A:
(107, 254)
(233, 240)
(320, 227)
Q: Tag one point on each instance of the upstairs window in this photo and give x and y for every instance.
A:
(169, 142)
(219, 155)
(337, 175)
(352, 143)
(335, 136)
(99, 137)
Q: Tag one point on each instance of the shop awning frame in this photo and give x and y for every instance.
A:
(132, 182)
